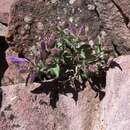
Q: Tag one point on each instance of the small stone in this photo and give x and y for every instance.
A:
(27, 27)
(79, 10)
(53, 1)
(72, 1)
(26, 37)
(91, 7)
(13, 98)
(69, 95)
(23, 32)
(28, 19)
(3, 30)
(128, 25)
(71, 19)
(91, 43)
(103, 34)
(40, 26)
(73, 10)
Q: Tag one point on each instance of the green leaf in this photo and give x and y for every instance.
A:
(84, 75)
(98, 48)
(55, 70)
(86, 52)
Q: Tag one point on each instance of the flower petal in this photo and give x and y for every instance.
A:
(17, 60)
(72, 28)
(51, 40)
(81, 30)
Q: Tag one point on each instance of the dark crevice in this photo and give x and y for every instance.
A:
(5, 24)
(96, 11)
(125, 17)
(3, 62)
(116, 50)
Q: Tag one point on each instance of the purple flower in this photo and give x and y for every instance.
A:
(43, 45)
(72, 28)
(55, 51)
(17, 60)
(51, 40)
(92, 68)
(33, 76)
(23, 69)
(82, 30)
(49, 61)
(42, 50)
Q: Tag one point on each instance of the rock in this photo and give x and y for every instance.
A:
(3, 30)
(28, 19)
(5, 5)
(4, 17)
(29, 108)
(91, 7)
(115, 15)
(114, 109)
(5, 9)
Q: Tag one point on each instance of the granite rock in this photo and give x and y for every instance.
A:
(114, 109)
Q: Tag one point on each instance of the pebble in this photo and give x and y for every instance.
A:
(71, 19)
(72, 1)
(53, 1)
(3, 30)
(40, 26)
(103, 34)
(91, 7)
(23, 32)
(28, 19)
(128, 25)
(27, 27)
(91, 43)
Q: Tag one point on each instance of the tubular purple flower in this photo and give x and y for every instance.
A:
(43, 45)
(23, 69)
(51, 40)
(72, 28)
(42, 49)
(33, 76)
(49, 61)
(92, 68)
(17, 60)
(55, 51)
(82, 30)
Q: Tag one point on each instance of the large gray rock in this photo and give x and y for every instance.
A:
(115, 107)
(23, 110)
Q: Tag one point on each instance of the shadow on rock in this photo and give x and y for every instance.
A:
(55, 88)
(3, 62)
(98, 83)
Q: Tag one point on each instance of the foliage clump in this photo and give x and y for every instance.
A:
(66, 56)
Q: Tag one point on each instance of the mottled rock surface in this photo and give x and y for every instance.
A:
(114, 110)
(115, 17)
(30, 19)
(5, 9)
(3, 30)
(23, 110)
